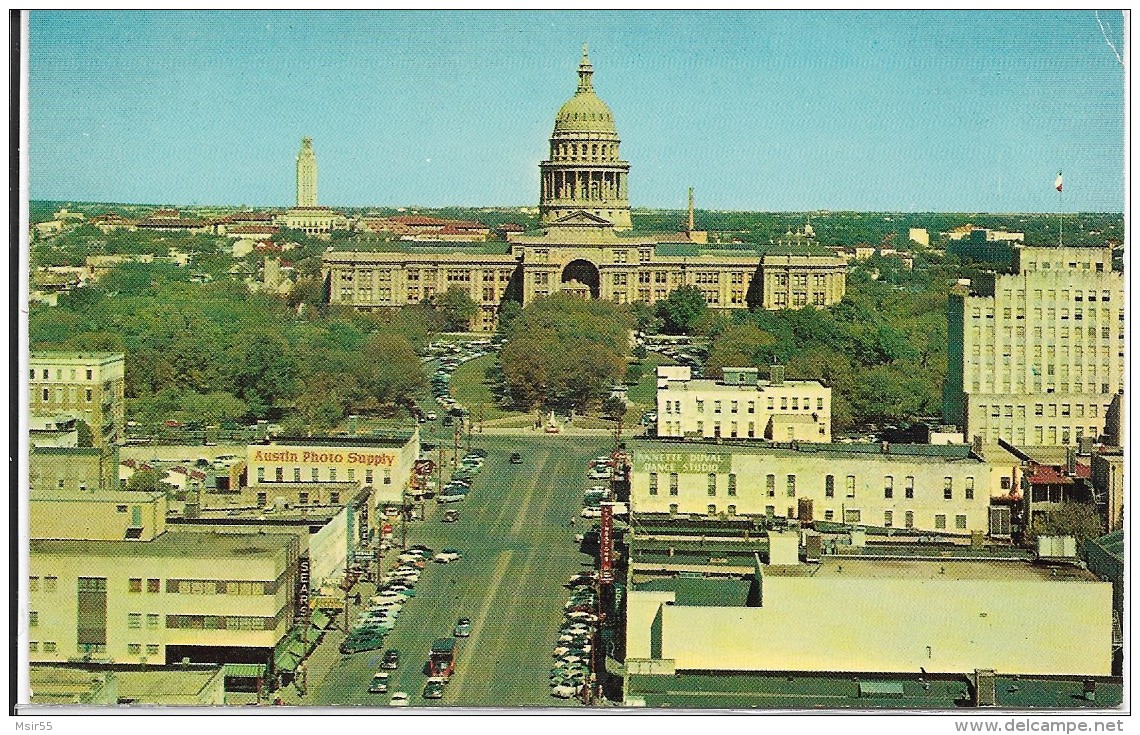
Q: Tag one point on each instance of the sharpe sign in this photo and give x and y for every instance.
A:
(289, 455)
(683, 463)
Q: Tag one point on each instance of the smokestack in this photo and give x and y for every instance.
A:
(691, 227)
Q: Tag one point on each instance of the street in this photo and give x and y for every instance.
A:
(518, 551)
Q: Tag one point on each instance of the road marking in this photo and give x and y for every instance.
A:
(477, 623)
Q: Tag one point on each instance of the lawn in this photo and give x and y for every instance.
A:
(469, 387)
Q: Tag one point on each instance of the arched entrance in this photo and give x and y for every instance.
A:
(581, 277)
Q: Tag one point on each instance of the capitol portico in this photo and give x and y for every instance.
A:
(585, 246)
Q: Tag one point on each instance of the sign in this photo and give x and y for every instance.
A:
(424, 466)
(386, 529)
(287, 455)
(301, 615)
(606, 544)
(684, 463)
(326, 602)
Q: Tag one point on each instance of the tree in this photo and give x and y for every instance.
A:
(146, 481)
(457, 308)
(263, 371)
(680, 311)
(1079, 520)
(614, 408)
(740, 345)
(85, 438)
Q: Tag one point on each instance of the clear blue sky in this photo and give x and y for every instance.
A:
(802, 110)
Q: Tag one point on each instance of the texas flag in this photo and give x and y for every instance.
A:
(1057, 183)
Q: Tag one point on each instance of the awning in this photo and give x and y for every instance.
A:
(289, 654)
(245, 671)
(320, 619)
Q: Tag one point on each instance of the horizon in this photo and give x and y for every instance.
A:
(978, 118)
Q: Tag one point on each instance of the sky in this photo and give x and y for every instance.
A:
(959, 111)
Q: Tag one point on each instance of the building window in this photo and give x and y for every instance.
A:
(752, 407)
(261, 474)
(888, 518)
(732, 484)
(828, 515)
(851, 515)
(387, 476)
(279, 474)
(652, 483)
(153, 585)
(948, 488)
(712, 484)
(152, 620)
(770, 482)
(829, 486)
(152, 649)
(134, 584)
(33, 584)
(315, 474)
(888, 487)
(712, 509)
(134, 620)
(262, 499)
(940, 521)
(50, 583)
(33, 619)
(334, 497)
(673, 509)
(908, 519)
(672, 483)
(134, 648)
(296, 474)
(969, 488)
(909, 488)
(851, 486)
(303, 498)
(791, 486)
(49, 646)
(960, 521)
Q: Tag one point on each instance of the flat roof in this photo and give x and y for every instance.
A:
(74, 356)
(899, 452)
(833, 691)
(709, 384)
(171, 544)
(155, 685)
(836, 567)
(246, 515)
(71, 496)
(387, 441)
(718, 592)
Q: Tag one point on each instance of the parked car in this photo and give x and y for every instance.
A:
(563, 691)
(450, 516)
(446, 556)
(552, 430)
(462, 628)
(399, 699)
(379, 683)
(433, 689)
(591, 513)
(391, 659)
(516, 458)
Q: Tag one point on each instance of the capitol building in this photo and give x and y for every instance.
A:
(586, 245)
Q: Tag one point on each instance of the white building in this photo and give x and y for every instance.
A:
(1036, 356)
(742, 406)
(945, 489)
(306, 174)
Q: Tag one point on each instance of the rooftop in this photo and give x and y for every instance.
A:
(826, 691)
(70, 496)
(954, 570)
(67, 357)
(901, 452)
(337, 441)
(718, 592)
(215, 546)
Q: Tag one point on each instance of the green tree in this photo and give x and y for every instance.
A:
(83, 431)
(739, 345)
(263, 371)
(680, 311)
(146, 481)
(1079, 520)
(457, 308)
(614, 408)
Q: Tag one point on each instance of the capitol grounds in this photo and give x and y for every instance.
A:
(518, 551)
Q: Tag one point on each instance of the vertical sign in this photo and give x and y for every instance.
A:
(606, 544)
(302, 614)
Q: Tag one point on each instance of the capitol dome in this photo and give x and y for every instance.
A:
(585, 172)
(585, 111)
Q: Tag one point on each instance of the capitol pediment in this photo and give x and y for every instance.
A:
(581, 218)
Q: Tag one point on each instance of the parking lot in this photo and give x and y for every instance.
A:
(518, 551)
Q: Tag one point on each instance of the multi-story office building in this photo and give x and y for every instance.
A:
(584, 246)
(742, 406)
(86, 385)
(946, 489)
(120, 588)
(1037, 355)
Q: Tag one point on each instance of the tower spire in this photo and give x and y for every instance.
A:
(585, 71)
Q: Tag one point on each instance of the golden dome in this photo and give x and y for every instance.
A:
(585, 111)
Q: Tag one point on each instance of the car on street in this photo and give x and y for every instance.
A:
(516, 458)
(552, 430)
(563, 691)
(591, 513)
(399, 699)
(450, 498)
(462, 628)
(431, 416)
(362, 640)
(379, 683)
(391, 659)
(450, 516)
(433, 689)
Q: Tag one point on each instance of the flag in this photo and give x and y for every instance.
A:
(1057, 183)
